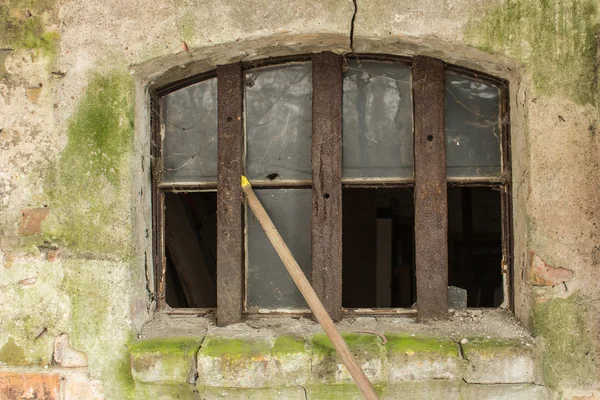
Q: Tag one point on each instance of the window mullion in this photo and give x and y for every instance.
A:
(431, 198)
(230, 255)
(326, 230)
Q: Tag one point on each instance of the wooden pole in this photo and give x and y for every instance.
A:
(309, 294)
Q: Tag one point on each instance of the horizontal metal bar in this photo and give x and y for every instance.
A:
(478, 181)
(188, 185)
(188, 311)
(379, 311)
(280, 183)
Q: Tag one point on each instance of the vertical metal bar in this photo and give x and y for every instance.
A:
(431, 194)
(157, 203)
(230, 257)
(506, 203)
(327, 181)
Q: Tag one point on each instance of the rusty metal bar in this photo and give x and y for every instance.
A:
(431, 197)
(230, 255)
(326, 227)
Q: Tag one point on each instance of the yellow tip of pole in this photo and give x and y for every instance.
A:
(245, 181)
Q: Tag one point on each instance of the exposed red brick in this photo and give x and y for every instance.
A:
(53, 255)
(31, 220)
(543, 274)
(15, 386)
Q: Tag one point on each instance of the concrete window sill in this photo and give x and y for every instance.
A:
(281, 356)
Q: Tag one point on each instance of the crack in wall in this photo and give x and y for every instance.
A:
(352, 25)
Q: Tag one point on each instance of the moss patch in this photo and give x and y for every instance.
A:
(172, 346)
(89, 188)
(356, 342)
(491, 347)
(408, 344)
(234, 348)
(555, 39)
(12, 354)
(288, 345)
(568, 358)
(22, 25)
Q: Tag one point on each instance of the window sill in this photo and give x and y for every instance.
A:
(473, 348)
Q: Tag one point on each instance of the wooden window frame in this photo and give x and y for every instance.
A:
(431, 212)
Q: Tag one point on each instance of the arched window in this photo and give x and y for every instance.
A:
(388, 178)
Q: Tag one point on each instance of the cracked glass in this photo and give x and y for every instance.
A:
(473, 127)
(269, 285)
(190, 133)
(377, 121)
(279, 122)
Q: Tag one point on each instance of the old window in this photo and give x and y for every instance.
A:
(388, 178)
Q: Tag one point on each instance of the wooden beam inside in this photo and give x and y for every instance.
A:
(431, 197)
(327, 181)
(230, 255)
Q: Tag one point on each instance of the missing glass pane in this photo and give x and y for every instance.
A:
(473, 127)
(190, 133)
(191, 249)
(279, 122)
(377, 118)
(269, 285)
(378, 248)
(475, 244)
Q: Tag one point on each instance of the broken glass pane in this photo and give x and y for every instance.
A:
(269, 285)
(473, 127)
(377, 116)
(190, 133)
(278, 122)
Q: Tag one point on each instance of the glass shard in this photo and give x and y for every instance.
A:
(269, 285)
(377, 117)
(473, 127)
(279, 122)
(190, 133)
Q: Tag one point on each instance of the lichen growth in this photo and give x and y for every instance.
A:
(288, 345)
(22, 26)
(568, 356)
(408, 344)
(171, 346)
(12, 354)
(234, 348)
(495, 346)
(556, 39)
(186, 26)
(89, 187)
(357, 342)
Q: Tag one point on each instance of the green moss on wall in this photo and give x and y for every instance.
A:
(568, 357)
(234, 348)
(357, 342)
(400, 343)
(22, 25)
(556, 39)
(172, 346)
(89, 188)
(288, 345)
(12, 354)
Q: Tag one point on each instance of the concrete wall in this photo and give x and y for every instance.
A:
(75, 220)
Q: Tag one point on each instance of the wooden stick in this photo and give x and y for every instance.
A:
(309, 294)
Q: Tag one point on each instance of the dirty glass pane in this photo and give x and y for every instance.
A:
(377, 116)
(473, 127)
(269, 285)
(278, 122)
(190, 135)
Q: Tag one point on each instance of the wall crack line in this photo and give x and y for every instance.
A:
(352, 25)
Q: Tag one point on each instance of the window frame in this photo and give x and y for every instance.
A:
(230, 306)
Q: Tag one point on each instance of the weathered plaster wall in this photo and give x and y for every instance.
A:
(75, 237)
